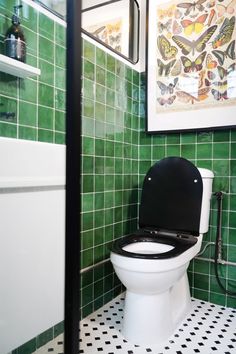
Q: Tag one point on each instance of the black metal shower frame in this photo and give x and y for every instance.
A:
(73, 172)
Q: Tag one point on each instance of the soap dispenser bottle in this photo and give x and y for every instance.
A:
(15, 45)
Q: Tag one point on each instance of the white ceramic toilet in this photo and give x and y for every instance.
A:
(152, 262)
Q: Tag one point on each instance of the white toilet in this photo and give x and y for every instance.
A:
(152, 262)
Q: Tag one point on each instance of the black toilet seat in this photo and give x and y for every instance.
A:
(180, 242)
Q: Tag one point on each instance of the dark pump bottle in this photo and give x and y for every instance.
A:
(15, 46)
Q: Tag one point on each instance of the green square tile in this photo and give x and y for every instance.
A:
(47, 72)
(31, 43)
(88, 108)
(220, 151)
(27, 133)
(60, 138)
(221, 167)
(100, 57)
(99, 201)
(188, 138)
(110, 114)
(8, 85)
(110, 80)
(46, 50)
(87, 295)
(87, 240)
(100, 94)
(221, 135)
(46, 26)
(204, 151)
(8, 130)
(100, 75)
(60, 56)
(204, 137)
(87, 184)
(111, 63)
(58, 329)
(46, 136)
(88, 164)
(28, 347)
(45, 117)
(89, 51)
(44, 337)
(60, 120)
(60, 34)
(87, 258)
(60, 99)
(8, 110)
(233, 167)
(28, 90)
(88, 126)
(88, 70)
(27, 114)
(100, 111)
(88, 146)
(188, 151)
(173, 150)
(88, 90)
(46, 95)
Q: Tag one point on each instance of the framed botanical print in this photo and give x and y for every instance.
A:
(191, 65)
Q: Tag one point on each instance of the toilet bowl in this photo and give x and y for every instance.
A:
(152, 262)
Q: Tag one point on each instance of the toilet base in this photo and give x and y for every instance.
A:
(152, 319)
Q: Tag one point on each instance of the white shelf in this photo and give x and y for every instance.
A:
(17, 68)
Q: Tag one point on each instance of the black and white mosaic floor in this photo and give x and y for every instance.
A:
(208, 329)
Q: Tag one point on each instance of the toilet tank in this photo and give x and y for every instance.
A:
(207, 180)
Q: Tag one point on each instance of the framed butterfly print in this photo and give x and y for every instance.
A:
(191, 65)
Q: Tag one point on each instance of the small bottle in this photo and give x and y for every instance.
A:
(15, 45)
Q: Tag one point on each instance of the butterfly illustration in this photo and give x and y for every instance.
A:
(203, 93)
(192, 6)
(228, 9)
(201, 78)
(188, 46)
(176, 69)
(219, 95)
(165, 89)
(228, 53)
(225, 33)
(196, 65)
(210, 63)
(211, 4)
(178, 14)
(222, 72)
(115, 39)
(165, 48)
(186, 97)
(225, 72)
(164, 26)
(194, 26)
(222, 85)
(211, 17)
(176, 28)
(163, 13)
(164, 69)
(164, 101)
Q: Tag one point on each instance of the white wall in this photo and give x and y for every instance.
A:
(32, 239)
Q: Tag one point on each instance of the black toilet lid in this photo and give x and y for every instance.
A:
(172, 197)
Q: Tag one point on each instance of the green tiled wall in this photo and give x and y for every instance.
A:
(38, 104)
(110, 172)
